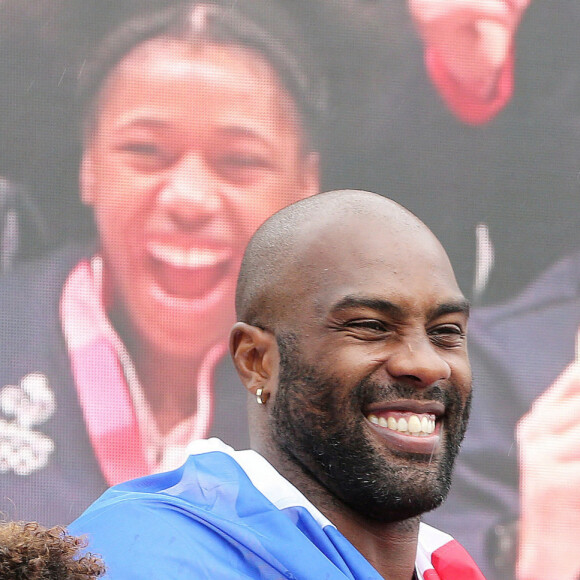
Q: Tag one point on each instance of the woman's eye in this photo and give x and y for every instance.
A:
(145, 148)
(242, 167)
(142, 148)
(147, 156)
(244, 161)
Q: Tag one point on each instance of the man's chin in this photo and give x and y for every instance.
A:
(390, 493)
(399, 509)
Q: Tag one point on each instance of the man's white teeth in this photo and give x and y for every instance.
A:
(414, 425)
(187, 258)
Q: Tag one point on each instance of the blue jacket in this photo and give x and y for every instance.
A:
(229, 514)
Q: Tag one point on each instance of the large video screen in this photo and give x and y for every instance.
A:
(142, 142)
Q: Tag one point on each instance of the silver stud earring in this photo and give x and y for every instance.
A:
(259, 399)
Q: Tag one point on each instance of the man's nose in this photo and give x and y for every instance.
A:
(417, 360)
(191, 193)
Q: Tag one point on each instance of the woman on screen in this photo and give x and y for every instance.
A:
(198, 125)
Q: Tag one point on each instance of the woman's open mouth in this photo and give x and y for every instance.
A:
(189, 273)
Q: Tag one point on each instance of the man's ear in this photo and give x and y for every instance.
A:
(87, 178)
(255, 355)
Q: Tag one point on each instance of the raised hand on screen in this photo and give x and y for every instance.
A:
(549, 452)
(473, 37)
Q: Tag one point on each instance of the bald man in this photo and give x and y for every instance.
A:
(351, 342)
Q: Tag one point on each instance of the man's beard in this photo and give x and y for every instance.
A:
(329, 439)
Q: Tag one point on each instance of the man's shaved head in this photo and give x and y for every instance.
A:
(274, 269)
(351, 323)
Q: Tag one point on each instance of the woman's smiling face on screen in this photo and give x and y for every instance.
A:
(193, 147)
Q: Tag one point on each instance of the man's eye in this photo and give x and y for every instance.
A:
(447, 336)
(368, 324)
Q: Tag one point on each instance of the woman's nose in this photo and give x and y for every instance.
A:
(191, 194)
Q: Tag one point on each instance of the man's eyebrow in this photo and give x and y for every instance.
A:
(390, 309)
(456, 306)
(378, 304)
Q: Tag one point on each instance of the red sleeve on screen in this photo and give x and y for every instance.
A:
(465, 106)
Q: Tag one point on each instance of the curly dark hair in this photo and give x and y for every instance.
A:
(29, 551)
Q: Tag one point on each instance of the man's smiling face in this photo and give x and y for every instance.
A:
(374, 380)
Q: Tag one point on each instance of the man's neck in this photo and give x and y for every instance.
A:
(390, 547)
